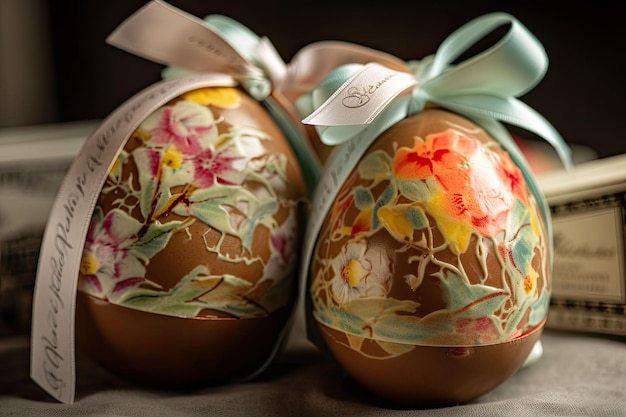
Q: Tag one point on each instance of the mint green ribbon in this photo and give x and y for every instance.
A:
(483, 88)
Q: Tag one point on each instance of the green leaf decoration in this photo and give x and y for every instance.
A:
(280, 292)
(179, 301)
(261, 178)
(228, 296)
(163, 197)
(518, 314)
(385, 198)
(380, 315)
(207, 205)
(258, 213)
(414, 190)
(417, 217)
(379, 306)
(232, 296)
(363, 198)
(195, 292)
(411, 329)
(539, 309)
(277, 165)
(376, 166)
(476, 300)
(525, 239)
(147, 183)
(341, 319)
(154, 240)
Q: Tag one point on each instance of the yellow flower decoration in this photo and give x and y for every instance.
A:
(173, 158)
(224, 97)
(352, 272)
(89, 263)
(534, 222)
(394, 219)
(530, 281)
(115, 172)
(456, 232)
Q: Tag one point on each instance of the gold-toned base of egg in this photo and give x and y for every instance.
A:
(430, 376)
(171, 352)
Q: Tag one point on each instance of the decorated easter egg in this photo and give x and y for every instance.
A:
(188, 268)
(430, 277)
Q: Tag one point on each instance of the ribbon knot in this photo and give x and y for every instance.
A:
(420, 96)
(243, 55)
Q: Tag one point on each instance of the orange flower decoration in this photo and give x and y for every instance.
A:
(477, 185)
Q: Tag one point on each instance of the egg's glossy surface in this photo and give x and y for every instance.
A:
(188, 269)
(432, 265)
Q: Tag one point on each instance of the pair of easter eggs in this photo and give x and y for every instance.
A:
(428, 283)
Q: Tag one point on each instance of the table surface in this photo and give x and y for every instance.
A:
(577, 375)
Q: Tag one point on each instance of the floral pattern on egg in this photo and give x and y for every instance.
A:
(432, 241)
(190, 179)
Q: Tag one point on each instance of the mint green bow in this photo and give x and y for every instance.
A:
(483, 88)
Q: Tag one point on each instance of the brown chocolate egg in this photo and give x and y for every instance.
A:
(430, 278)
(188, 273)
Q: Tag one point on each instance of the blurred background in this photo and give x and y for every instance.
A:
(56, 67)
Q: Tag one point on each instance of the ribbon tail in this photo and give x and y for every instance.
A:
(235, 39)
(511, 111)
(536, 123)
(242, 39)
(271, 62)
(308, 164)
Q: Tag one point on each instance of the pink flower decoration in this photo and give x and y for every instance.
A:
(223, 166)
(480, 329)
(107, 265)
(183, 125)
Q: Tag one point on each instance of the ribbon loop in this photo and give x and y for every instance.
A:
(258, 52)
(511, 67)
